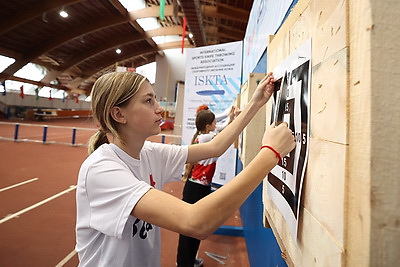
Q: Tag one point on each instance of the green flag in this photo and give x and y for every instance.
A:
(162, 9)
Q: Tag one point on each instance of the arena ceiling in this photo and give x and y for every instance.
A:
(78, 49)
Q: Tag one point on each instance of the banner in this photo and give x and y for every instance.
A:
(265, 18)
(213, 75)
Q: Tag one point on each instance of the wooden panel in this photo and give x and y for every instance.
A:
(324, 188)
(254, 131)
(329, 28)
(244, 91)
(323, 21)
(329, 103)
(321, 232)
(281, 46)
(314, 247)
(349, 214)
(236, 104)
(322, 211)
(374, 186)
(179, 113)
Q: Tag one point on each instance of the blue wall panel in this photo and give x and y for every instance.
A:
(262, 247)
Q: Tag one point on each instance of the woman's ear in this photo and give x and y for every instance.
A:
(117, 115)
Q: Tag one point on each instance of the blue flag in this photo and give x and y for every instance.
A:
(37, 93)
(3, 83)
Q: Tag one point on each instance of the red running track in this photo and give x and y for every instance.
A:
(37, 196)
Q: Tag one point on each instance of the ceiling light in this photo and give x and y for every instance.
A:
(63, 13)
(190, 35)
(118, 51)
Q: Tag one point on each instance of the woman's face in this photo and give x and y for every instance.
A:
(143, 112)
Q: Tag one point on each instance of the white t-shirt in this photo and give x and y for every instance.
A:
(110, 183)
(205, 138)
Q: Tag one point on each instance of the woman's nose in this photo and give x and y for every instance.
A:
(159, 108)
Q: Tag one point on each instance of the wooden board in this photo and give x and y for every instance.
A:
(254, 131)
(350, 208)
(322, 210)
(179, 113)
(329, 100)
(373, 199)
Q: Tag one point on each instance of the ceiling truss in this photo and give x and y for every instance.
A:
(77, 50)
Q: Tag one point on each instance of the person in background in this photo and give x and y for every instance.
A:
(203, 118)
(198, 178)
(119, 197)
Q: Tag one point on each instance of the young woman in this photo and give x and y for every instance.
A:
(120, 202)
(206, 126)
(198, 182)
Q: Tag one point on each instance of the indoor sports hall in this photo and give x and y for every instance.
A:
(307, 174)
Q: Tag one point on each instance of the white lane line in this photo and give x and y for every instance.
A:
(11, 216)
(66, 259)
(22, 183)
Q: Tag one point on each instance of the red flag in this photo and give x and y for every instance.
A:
(21, 94)
(77, 98)
(183, 33)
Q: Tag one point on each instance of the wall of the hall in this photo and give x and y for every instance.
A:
(170, 70)
(14, 99)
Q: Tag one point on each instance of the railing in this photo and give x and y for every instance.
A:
(51, 134)
(46, 134)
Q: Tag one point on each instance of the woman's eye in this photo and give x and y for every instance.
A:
(149, 100)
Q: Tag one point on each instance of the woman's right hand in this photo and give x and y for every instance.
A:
(264, 90)
(280, 138)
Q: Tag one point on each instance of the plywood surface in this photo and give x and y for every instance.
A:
(329, 101)
(254, 131)
(374, 186)
(321, 233)
(350, 208)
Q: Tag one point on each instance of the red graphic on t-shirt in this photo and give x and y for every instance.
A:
(152, 183)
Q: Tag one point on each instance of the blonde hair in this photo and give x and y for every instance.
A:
(110, 90)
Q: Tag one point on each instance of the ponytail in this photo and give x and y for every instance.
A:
(194, 137)
(189, 166)
(97, 140)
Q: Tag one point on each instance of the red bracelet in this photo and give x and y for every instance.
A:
(273, 150)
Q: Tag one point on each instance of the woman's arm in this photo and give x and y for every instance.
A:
(223, 140)
(202, 218)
